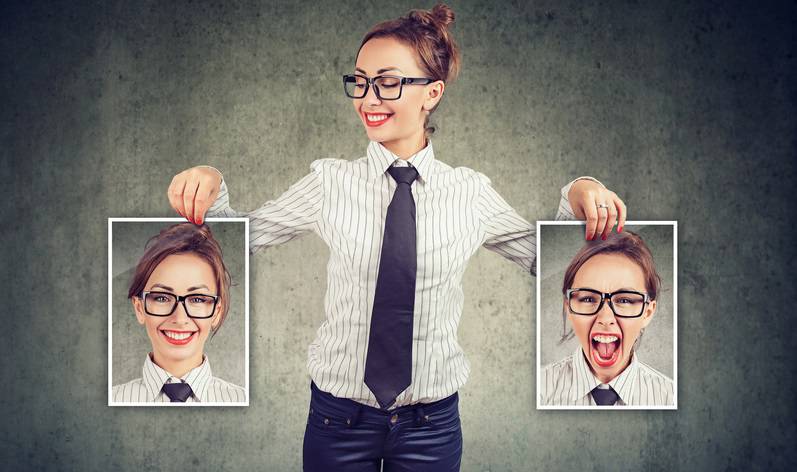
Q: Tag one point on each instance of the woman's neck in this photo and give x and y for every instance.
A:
(177, 368)
(406, 147)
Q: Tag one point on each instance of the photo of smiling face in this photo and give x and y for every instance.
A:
(608, 340)
(389, 121)
(178, 339)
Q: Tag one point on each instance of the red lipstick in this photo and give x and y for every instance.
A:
(178, 342)
(374, 124)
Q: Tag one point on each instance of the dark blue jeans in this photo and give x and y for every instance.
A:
(343, 435)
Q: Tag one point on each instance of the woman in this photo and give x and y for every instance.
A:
(401, 226)
(610, 292)
(180, 294)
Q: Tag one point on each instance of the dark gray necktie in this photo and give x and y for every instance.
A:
(604, 396)
(388, 365)
(177, 392)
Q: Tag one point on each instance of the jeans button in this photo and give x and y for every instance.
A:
(393, 419)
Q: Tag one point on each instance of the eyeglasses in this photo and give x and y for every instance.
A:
(196, 305)
(623, 303)
(387, 87)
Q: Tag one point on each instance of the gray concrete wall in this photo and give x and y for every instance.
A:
(687, 111)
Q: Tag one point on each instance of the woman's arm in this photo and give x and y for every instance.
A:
(510, 235)
(202, 189)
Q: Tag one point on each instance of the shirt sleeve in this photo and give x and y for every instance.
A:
(507, 233)
(503, 230)
(278, 221)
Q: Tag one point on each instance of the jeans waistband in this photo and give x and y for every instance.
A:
(347, 408)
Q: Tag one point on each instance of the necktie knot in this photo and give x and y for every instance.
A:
(605, 396)
(403, 175)
(177, 392)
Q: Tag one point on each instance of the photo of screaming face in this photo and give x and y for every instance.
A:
(609, 296)
(608, 310)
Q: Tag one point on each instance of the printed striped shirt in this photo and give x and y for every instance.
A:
(570, 381)
(206, 388)
(345, 203)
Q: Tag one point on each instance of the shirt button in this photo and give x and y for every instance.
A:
(393, 419)
(326, 420)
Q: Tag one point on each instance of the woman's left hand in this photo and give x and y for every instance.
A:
(599, 206)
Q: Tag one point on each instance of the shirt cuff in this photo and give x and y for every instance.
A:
(222, 203)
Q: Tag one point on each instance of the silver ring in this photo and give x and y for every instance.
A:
(602, 205)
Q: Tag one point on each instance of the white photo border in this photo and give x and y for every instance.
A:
(113, 220)
(674, 406)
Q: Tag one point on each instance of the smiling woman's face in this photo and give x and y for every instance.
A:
(177, 338)
(394, 122)
(608, 340)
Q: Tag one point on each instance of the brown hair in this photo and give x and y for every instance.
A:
(426, 32)
(628, 244)
(184, 238)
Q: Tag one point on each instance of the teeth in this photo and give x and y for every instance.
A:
(376, 117)
(604, 339)
(174, 335)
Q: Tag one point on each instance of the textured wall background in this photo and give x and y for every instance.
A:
(226, 350)
(558, 245)
(687, 111)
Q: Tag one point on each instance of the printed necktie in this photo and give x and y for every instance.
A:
(604, 396)
(388, 365)
(177, 392)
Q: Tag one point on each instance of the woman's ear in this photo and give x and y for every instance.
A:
(138, 308)
(434, 94)
(648, 313)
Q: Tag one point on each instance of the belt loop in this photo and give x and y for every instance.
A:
(354, 416)
(420, 417)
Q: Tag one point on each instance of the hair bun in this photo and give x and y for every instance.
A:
(443, 13)
(440, 16)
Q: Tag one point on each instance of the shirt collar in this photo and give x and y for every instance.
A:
(584, 381)
(155, 376)
(380, 158)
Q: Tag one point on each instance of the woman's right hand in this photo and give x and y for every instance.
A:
(193, 191)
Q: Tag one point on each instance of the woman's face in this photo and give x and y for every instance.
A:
(394, 121)
(606, 339)
(177, 337)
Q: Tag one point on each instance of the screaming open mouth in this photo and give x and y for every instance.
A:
(605, 348)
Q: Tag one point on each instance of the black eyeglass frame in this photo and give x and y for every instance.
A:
(607, 297)
(372, 81)
(180, 299)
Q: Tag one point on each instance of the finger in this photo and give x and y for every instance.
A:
(175, 194)
(610, 221)
(621, 213)
(603, 215)
(204, 197)
(188, 198)
(591, 213)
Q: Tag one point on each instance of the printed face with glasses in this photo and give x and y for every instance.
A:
(179, 308)
(608, 307)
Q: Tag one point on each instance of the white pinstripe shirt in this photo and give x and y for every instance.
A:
(345, 203)
(570, 381)
(206, 388)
